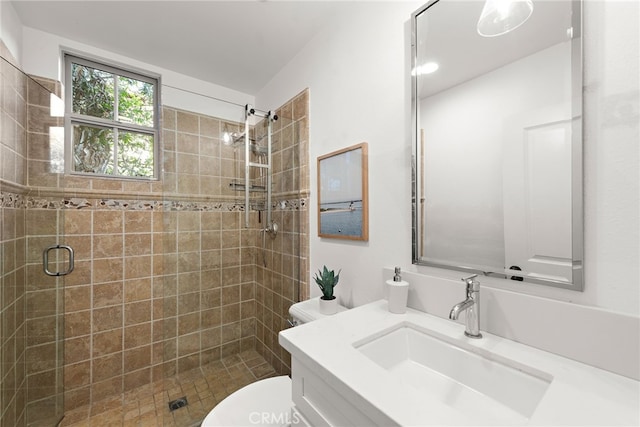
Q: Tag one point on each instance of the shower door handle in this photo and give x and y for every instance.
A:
(45, 260)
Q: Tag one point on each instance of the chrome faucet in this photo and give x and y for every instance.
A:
(472, 307)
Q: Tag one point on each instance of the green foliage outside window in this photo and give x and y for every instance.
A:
(112, 135)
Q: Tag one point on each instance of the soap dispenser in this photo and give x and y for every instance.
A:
(398, 292)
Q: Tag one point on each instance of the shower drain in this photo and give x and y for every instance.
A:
(178, 403)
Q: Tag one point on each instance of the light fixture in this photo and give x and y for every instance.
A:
(501, 16)
(426, 68)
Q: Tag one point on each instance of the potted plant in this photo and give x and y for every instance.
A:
(327, 280)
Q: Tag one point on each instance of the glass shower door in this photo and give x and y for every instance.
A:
(49, 259)
(31, 202)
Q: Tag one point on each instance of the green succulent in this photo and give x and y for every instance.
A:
(327, 280)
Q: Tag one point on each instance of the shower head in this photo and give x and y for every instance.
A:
(229, 138)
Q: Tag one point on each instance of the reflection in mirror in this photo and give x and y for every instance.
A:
(497, 143)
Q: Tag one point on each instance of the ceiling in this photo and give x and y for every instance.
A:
(238, 44)
(243, 44)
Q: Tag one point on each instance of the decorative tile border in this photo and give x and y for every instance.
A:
(12, 200)
(19, 201)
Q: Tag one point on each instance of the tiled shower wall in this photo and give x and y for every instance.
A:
(282, 279)
(166, 274)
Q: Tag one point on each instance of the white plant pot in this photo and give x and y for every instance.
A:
(328, 306)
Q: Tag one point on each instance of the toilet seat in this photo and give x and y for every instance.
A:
(266, 402)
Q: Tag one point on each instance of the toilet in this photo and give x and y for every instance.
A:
(267, 402)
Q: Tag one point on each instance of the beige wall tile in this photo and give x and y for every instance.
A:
(210, 126)
(107, 184)
(108, 246)
(136, 186)
(107, 270)
(107, 318)
(76, 398)
(76, 182)
(39, 385)
(137, 267)
(137, 312)
(137, 358)
(188, 344)
(211, 317)
(107, 294)
(77, 349)
(77, 323)
(188, 323)
(188, 303)
(107, 222)
(210, 184)
(188, 184)
(77, 298)
(187, 122)
(230, 313)
(42, 222)
(107, 367)
(138, 221)
(301, 105)
(81, 245)
(189, 241)
(137, 244)
(107, 342)
(187, 143)
(211, 338)
(230, 294)
(77, 222)
(77, 375)
(168, 118)
(137, 290)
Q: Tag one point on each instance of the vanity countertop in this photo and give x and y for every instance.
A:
(578, 394)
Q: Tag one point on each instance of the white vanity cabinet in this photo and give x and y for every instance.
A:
(368, 367)
(319, 404)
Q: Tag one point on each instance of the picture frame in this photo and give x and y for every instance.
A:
(343, 205)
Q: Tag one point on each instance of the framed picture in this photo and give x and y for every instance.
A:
(343, 211)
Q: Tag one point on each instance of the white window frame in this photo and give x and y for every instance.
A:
(116, 125)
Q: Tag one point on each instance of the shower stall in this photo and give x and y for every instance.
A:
(234, 259)
(173, 279)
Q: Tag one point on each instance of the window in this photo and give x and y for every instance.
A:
(111, 120)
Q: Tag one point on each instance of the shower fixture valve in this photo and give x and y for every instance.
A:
(272, 228)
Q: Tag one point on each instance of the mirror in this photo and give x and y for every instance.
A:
(496, 129)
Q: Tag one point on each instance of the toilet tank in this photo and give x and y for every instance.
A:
(308, 311)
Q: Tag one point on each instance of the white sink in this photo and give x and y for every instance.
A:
(470, 379)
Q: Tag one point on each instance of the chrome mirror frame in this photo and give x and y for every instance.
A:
(577, 282)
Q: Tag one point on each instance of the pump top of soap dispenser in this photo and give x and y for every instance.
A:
(396, 277)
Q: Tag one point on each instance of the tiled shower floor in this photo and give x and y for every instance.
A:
(148, 406)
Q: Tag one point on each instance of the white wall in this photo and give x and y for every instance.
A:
(356, 71)
(612, 154)
(42, 57)
(11, 30)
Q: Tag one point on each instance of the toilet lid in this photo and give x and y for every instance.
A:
(263, 403)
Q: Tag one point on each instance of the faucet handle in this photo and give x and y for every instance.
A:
(472, 284)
